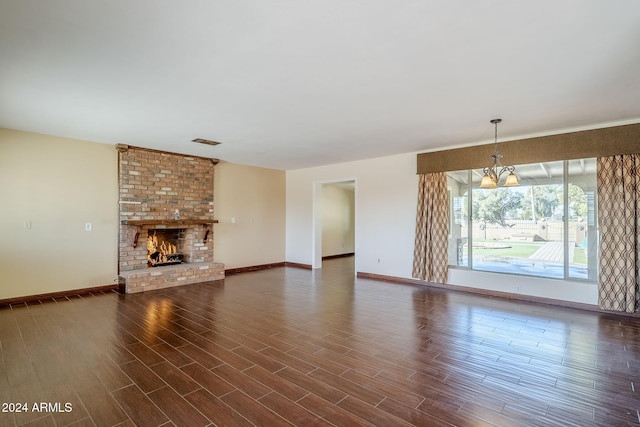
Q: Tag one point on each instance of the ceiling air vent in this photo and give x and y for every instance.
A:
(205, 141)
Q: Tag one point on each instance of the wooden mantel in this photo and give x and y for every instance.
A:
(167, 222)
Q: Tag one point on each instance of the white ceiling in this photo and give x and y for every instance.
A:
(289, 84)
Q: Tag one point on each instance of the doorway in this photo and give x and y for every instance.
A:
(333, 220)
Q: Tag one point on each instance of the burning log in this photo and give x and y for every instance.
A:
(162, 253)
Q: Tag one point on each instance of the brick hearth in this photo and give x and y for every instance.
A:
(160, 190)
(168, 276)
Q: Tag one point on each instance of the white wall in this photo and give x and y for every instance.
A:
(338, 220)
(385, 206)
(567, 290)
(385, 211)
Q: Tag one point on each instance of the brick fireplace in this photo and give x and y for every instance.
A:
(165, 194)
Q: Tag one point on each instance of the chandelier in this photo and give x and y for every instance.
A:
(492, 174)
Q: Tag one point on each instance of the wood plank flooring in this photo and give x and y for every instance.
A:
(288, 346)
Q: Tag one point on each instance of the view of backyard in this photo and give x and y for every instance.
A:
(539, 258)
(522, 230)
(521, 250)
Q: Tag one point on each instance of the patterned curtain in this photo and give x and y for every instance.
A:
(618, 214)
(430, 259)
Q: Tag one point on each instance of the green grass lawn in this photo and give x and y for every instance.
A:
(518, 250)
(580, 257)
(523, 250)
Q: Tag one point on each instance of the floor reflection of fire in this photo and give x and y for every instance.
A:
(161, 252)
(158, 315)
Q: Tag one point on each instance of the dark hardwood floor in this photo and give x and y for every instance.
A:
(290, 346)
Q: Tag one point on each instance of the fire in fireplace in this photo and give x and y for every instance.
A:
(162, 247)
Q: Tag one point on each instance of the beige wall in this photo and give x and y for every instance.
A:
(255, 199)
(51, 187)
(338, 220)
(57, 185)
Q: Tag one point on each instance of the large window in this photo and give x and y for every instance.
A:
(545, 227)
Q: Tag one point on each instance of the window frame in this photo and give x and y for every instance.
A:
(566, 180)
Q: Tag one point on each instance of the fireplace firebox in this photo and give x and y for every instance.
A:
(164, 247)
